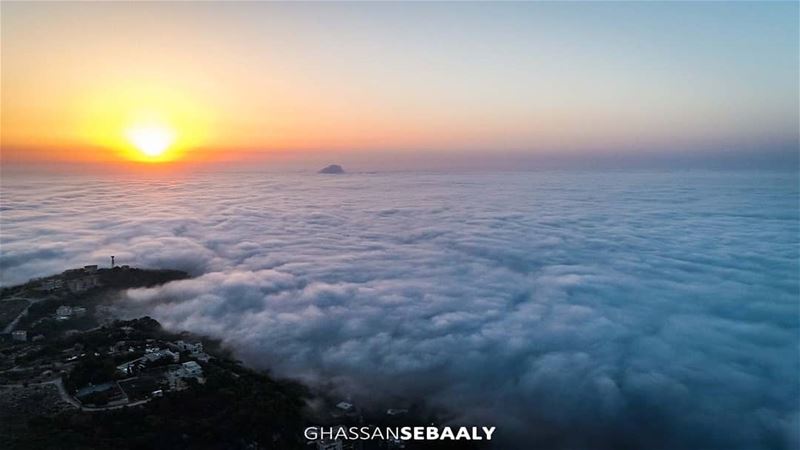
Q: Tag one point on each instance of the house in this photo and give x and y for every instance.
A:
(344, 406)
(157, 353)
(51, 284)
(344, 409)
(65, 312)
(192, 370)
(189, 347)
(84, 283)
(131, 367)
(120, 347)
(83, 279)
(19, 335)
(195, 350)
(178, 374)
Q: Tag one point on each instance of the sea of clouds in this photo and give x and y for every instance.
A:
(570, 309)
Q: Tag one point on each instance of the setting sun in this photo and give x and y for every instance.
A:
(152, 141)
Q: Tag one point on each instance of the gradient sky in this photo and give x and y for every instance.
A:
(277, 81)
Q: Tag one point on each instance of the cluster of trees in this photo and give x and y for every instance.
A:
(118, 278)
(111, 281)
(97, 367)
(237, 408)
(232, 410)
(91, 370)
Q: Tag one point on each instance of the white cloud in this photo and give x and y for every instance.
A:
(579, 310)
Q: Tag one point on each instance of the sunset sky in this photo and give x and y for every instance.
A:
(574, 221)
(272, 82)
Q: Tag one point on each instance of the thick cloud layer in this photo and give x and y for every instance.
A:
(572, 310)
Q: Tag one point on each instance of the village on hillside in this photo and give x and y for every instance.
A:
(63, 355)
(47, 321)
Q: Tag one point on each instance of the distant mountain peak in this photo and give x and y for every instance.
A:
(333, 168)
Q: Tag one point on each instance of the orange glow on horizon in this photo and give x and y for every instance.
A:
(145, 122)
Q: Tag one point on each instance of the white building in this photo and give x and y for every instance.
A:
(344, 406)
(158, 353)
(19, 335)
(179, 374)
(191, 369)
(64, 312)
(130, 367)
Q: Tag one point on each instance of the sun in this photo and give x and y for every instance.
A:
(151, 140)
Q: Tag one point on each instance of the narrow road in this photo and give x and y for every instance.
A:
(31, 301)
(63, 392)
(10, 327)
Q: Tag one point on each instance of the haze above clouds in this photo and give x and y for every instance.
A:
(579, 309)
